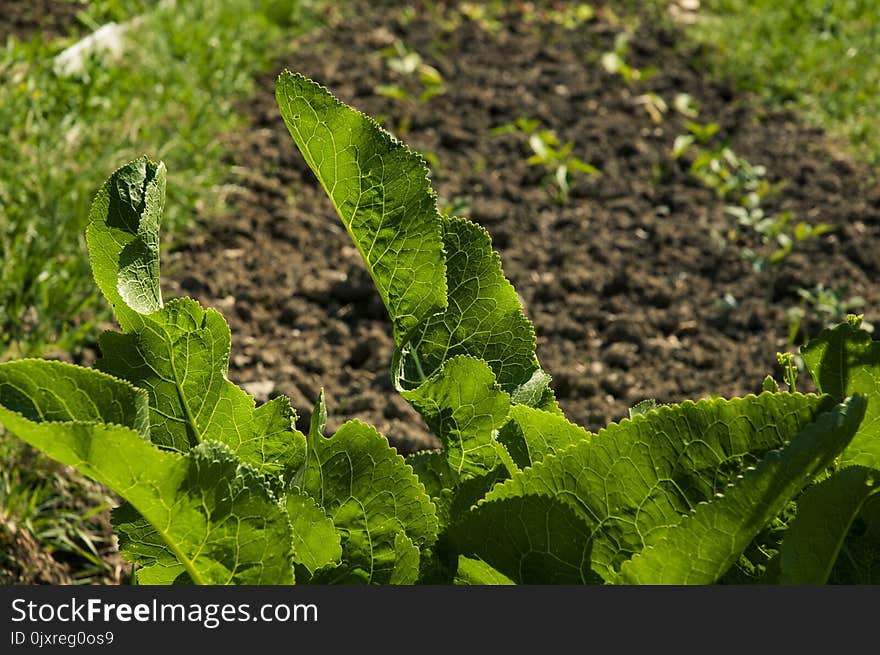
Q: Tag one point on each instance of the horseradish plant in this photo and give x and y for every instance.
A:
(778, 487)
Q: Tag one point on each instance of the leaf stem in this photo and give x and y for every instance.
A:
(418, 364)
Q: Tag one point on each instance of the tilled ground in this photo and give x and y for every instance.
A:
(636, 286)
(49, 18)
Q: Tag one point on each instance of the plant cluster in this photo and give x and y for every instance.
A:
(557, 159)
(745, 185)
(776, 487)
(735, 179)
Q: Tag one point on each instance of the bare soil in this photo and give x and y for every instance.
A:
(49, 18)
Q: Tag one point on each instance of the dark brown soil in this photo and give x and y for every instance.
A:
(624, 283)
(49, 18)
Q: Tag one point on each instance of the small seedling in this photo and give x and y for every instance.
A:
(829, 305)
(654, 104)
(686, 105)
(547, 152)
(421, 82)
(614, 62)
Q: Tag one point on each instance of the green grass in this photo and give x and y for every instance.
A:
(818, 56)
(172, 95)
(51, 526)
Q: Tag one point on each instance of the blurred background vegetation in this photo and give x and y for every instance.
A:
(821, 57)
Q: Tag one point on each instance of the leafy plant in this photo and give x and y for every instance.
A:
(734, 178)
(614, 62)
(219, 490)
(547, 152)
(697, 133)
(199, 60)
(654, 104)
(825, 305)
(422, 81)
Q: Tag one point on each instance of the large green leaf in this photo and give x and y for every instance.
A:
(464, 407)
(635, 479)
(826, 512)
(483, 319)
(700, 548)
(532, 434)
(46, 392)
(372, 496)
(531, 539)
(206, 517)
(407, 560)
(179, 352)
(439, 277)
(844, 361)
(859, 559)
(316, 542)
(123, 239)
(381, 191)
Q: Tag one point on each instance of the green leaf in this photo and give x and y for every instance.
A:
(642, 407)
(532, 539)
(371, 495)
(45, 392)
(180, 356)
(381, 192)
(439, 277)
(635, 479)
(844, 361)
(316, 543)
(222, 524)
(769, 384)
(123, 239)
(143, 545)
(483, 319)
(464, 407)
(706, 543)
(826, 512)
(472, 571)
(406, 562)
(532, 434)
(859, 559)
(206, 516)
(452, 496)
